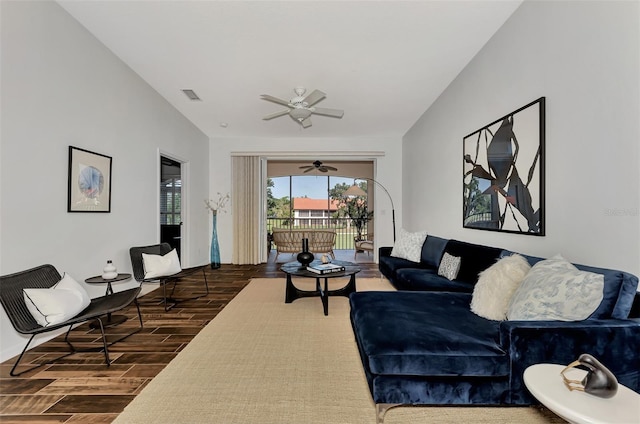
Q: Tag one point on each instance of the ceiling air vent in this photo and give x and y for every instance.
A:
(191, 94)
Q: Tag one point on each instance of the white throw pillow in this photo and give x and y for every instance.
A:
(449, 266)
(409, 245)
(59, 303)
(496, 286)
(161, 266)
(555, 289)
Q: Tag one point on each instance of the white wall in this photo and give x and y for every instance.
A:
(387, 152)
(61, 87)
(584, 57)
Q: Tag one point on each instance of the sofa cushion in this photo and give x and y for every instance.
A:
(428, 280)
(391, 264)
(474, 258)
(554, 289)
(432, 251)
(413, 333)
(619, 290)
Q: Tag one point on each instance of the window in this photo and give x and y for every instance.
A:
(170, 201)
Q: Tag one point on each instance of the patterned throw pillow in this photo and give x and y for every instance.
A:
(409, 245)
(554, 289)
(449, 266)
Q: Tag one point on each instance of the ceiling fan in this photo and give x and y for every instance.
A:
(319, 166)
(300, 108)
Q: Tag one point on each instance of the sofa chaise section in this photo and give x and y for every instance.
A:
(422, 344)
(428, 348)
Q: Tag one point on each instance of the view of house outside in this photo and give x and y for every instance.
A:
(318, 202)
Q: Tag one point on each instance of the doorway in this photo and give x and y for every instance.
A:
(303, 198)
(171, 203)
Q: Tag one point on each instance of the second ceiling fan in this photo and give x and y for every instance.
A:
(300, 108)
(319, 166)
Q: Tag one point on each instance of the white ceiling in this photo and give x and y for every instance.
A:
(383, 62)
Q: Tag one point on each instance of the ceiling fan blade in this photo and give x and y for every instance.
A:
(309, 170)
(330, 168)
(274, 99)
(314, 97)
(335, 113)
(306, 167)
(323, 169)
(306, 123)
(276, 114)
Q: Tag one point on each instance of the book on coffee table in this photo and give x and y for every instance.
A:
(325, 268)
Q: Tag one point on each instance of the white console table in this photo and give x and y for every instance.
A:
(545, 383)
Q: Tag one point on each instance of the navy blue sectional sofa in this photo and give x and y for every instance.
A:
(422, 345)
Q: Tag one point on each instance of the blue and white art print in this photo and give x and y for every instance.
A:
(89, 181)
(503, 173)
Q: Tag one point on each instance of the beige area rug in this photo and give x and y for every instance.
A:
(263, 361)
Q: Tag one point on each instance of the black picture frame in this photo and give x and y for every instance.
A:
(89, 183)
(503, 173)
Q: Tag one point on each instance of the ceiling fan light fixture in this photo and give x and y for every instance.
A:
(301, 107)
(300, 114)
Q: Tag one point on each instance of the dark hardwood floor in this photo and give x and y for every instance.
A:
(82, 389)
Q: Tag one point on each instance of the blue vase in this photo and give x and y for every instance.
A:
(215, 248)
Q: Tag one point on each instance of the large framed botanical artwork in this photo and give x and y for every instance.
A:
(503, 173)
(89, 187)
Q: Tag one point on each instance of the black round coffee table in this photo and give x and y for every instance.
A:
(297, 270)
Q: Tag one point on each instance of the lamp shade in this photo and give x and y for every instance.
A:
(355, 190)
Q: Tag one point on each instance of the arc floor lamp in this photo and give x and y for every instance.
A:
(355, 190)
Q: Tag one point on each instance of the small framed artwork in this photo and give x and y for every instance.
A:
(503, 173)
(89, 181)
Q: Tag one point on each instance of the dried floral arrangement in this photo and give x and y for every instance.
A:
(218, 205)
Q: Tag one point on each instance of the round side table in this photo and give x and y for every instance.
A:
(545, 383)
(111, 319)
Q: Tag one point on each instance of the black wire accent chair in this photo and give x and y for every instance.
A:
(46, 276)
(162, 249)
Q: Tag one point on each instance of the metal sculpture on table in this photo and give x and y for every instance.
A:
(598, 381)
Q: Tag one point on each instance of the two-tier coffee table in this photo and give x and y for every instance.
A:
(294, 269)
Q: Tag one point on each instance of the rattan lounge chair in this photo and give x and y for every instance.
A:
(46, 276)
(364, 245)
(162, 249)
